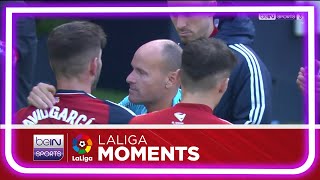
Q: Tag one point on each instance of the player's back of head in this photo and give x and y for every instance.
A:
(204, 62)
(72, 45)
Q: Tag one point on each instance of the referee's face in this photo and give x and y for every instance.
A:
(147, 79)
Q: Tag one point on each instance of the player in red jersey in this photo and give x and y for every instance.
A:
(205, 71)
(75, 56)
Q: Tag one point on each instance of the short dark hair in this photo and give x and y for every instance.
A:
(203, 61)
(172, 53)
(72, 45)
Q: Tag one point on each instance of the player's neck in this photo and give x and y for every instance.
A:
(163, 103)
(73, 84)
(200, 98)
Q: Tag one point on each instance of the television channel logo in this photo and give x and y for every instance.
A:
(267, 16)
(48, 147)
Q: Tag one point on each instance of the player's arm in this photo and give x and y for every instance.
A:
(253, 103)
(42, 96)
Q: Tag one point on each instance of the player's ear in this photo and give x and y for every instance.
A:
(223, 85)
(93, 66)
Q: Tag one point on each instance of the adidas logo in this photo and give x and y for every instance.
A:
(180, 116)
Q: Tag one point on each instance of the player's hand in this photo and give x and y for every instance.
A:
(302, 76)
(301, 79)
(42, 96)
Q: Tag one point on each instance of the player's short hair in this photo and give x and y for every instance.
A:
(204, 62)
(172, 53)
(72, 45)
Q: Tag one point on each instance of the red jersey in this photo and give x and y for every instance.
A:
(181, 113)
(75, 108)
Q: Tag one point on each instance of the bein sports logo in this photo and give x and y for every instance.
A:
(48, 147)
(267, 16)
(82, 144)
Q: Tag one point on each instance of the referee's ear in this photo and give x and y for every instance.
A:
(178, 74)
(173, 79)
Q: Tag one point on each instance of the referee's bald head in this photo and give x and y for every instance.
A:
(170, 53)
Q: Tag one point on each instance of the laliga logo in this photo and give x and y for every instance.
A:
(83, 142)
(82, 145)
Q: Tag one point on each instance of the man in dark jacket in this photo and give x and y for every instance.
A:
(248, 97)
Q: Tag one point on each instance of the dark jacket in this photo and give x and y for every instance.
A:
(248, 98)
